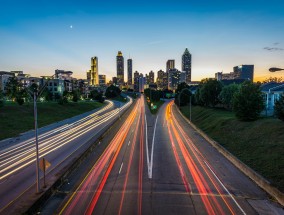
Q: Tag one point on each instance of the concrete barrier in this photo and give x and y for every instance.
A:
(258, 179)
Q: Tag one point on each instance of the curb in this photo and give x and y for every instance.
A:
(258, 179)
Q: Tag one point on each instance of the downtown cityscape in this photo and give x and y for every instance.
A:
(146, 107)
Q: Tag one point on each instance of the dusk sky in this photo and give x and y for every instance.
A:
(41, 36)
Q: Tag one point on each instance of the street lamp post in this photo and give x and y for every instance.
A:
(36, 95)
(36, 141)
(275, 69)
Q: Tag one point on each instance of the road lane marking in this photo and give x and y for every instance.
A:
(152, 151)
(147, 153)
(128, 143)
(224, 187)
(120, 168)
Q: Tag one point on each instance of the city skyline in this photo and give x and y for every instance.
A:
(219, 35)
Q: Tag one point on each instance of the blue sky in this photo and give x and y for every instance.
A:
(36, 36)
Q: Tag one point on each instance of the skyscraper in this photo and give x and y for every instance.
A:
(170, 65)
(186, 65)
(141, 82)
(93, 74)
(147, 81)
(120, 68)
(166, 80)
(175, 78)
(151, 77)
(129, 72)
(102, 80)
(160, 77)
(136, 81)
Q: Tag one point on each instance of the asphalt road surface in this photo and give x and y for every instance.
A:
(60, 146)
(158, 164)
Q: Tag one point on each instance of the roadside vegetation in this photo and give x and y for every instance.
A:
(259, 144)
(16, 119)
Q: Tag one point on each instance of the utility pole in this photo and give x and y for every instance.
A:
(37, 93)
(36, 141)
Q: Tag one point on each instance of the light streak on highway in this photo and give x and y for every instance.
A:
(129, 165)
(202, 174)
(85, 198)
(141, 159)
(17, 157)
(29, 142)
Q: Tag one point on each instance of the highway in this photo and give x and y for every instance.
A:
(60, 146)
(158, 164)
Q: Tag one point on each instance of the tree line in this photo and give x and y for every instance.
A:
(246, 100)
(17, 92)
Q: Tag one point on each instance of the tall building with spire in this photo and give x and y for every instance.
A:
(129, 72)
(93, 73)
(186, 65)
(120, 68)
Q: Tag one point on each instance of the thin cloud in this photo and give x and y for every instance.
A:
(273, 49)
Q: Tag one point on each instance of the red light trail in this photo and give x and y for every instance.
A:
(193, 157)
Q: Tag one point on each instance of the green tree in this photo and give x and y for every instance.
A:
(154, 95)
(279, 108)
(273, 79)
(47, 95)
(112, 92)
(67, 96)
(96, 95)
(181, 86)
(1, 98)
(93, 94)
(227, 95)
(183, 98)
(75, 95)
(100, 98)
(62, 100)
(16, 92)
(13, 87)
(209, 92)
(20, 100)
(197, 97)
(248, 102)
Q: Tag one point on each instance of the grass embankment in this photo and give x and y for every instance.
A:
(16, 119)
(157, 103)
(259, 144)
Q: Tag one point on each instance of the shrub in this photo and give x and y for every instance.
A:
(279, 108)
(248, 102)
(20, 100)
